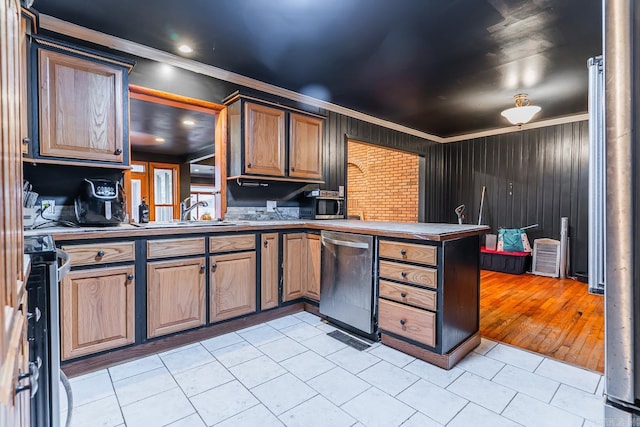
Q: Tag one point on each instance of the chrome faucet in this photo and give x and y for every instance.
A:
(184, 210)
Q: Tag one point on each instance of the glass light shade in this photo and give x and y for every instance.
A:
(520, 115)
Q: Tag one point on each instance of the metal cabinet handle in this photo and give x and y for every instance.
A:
(214, 266)
(404, 274)
(402, 322)
(118, 151)
(26, 140)
(130, 277)
(249, 165)
(403, 252)
(36, 314)
(33, 376)
(403, 294)
(100, 254)
(266, 243)
(203, 268)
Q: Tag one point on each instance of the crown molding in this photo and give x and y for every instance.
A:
(116, 43)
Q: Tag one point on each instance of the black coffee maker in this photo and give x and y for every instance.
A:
(100, 202)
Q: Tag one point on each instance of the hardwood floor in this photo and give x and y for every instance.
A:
(554, 317)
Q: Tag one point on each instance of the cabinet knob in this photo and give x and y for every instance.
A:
(403, 294)
(203, 268)
(249, 165)
(214, 267)
(100, 254)
(293, 169)
(266, 243)
(402, 322)
(130, 277)
(403, 252)
(26, 140)
(118, 151)
(404, 274)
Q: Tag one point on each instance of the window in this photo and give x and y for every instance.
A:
(203, 193)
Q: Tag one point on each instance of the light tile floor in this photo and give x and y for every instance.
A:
(289, 372)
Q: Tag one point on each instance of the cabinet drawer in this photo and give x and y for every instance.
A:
(409, 273)
(413, 323)
(175, 247)
(422, 298)
(232, 243)
(100, 253)
(423, 254)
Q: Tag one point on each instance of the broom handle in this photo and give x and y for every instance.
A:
(481, 205)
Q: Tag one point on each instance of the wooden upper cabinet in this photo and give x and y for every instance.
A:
(305, 146)
(82, 108)
(264, 151)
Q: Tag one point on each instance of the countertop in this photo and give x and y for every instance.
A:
(418, 231)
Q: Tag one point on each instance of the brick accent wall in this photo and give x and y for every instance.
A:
(382, 184)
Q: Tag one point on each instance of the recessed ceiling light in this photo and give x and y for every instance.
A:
(196, 170)
(159, 139)
(188, 122)
(184, 48)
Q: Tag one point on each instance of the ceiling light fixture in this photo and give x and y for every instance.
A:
(522, 112)
(159, 139)
(188, 122)
(185, 48)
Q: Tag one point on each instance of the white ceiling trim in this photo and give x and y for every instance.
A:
(82, 33)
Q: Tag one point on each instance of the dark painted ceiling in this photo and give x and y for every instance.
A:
(444, 67)
(160, 129)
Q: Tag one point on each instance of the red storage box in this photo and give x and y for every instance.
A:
(505, 262)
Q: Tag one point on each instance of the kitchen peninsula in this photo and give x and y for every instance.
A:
(135, 290)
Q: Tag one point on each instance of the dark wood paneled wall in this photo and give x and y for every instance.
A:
(535, 176)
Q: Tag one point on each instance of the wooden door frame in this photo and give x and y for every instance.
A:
(220, 138)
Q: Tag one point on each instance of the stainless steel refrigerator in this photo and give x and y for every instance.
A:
(622, 211)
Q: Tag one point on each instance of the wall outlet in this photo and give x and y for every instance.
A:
(271, 205)
(48, 207)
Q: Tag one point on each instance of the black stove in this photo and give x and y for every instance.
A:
(40, 248)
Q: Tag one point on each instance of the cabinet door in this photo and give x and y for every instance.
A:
(305, 147)
(81, 108)
(313, 267)
(97, 308)
(295, 270)
(264, 151)
(175, 295)
(269, 271)
(232, 285)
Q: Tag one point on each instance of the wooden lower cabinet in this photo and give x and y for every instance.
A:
(232, 284)
(269, 271)
(97, 307)
(313, 267)
(175, 295)
(301, 276)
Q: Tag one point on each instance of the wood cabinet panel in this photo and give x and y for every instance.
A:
(100, 253)
(413, 323)
(175, 295)
(232, 243)
(294, 268)
(409, 273)
(313, 266)
(81, 108)
(422, 254)
(422, 298)
(269, 269)
(233, 285)
(175, 247)
(97, 307)
(305, 146)
(264, 151)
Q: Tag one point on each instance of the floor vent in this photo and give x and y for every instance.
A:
(350, 341)
(546, 257)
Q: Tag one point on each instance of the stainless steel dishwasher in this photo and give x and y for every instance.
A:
(346, 284)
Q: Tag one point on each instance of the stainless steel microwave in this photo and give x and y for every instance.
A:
(322, 204)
